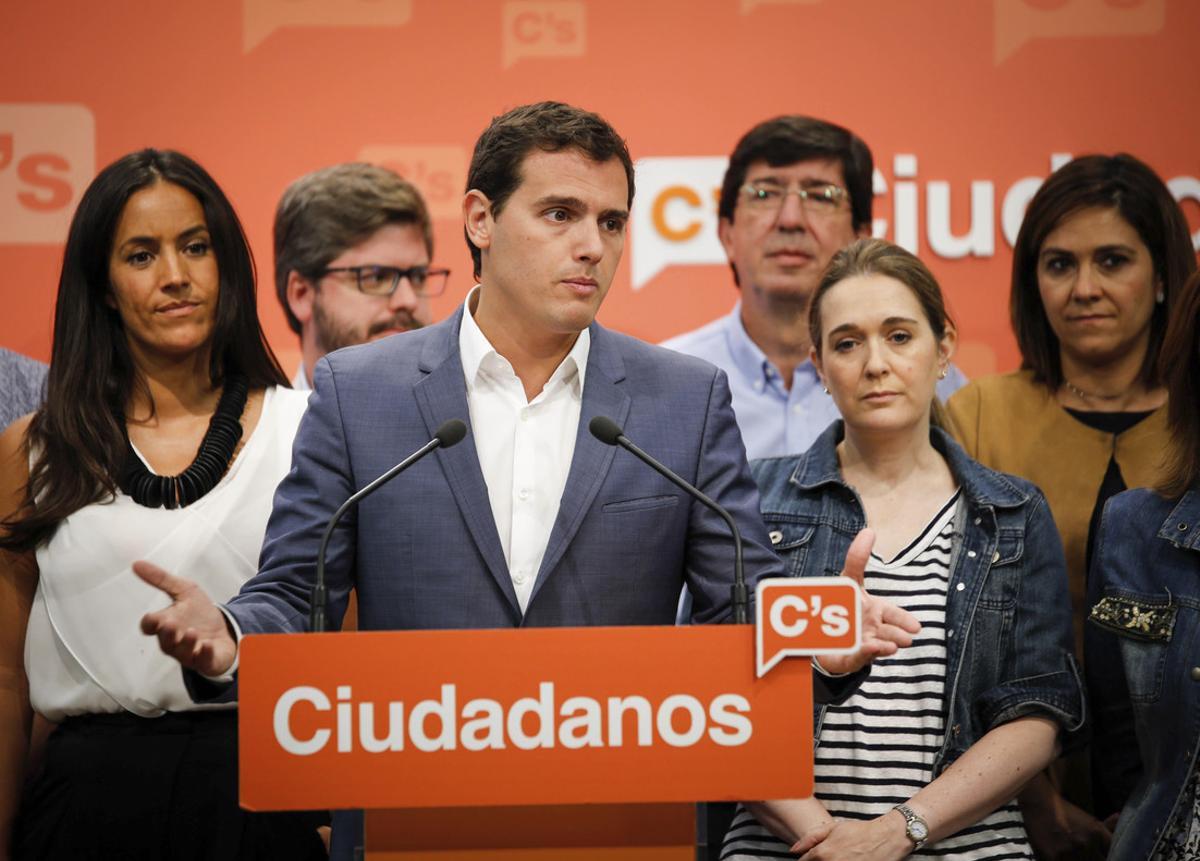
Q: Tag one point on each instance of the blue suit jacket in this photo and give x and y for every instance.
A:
(423, 551)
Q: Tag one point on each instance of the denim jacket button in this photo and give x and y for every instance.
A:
(950, 633)
(1196, 674)
(1182, 527)
(775, 535)
(971, 554)
(961, 586)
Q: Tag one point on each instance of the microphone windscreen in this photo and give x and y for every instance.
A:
(605, 429)
(451, 432)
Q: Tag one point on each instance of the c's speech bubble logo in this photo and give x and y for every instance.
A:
(748, 6)
(1021, 21)
(47, 158)
(260, 18)
(438, 172)
(674, 218)
(805, 616)
(543, 28)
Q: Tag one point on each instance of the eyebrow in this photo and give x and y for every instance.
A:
(854, 327)
(154, 240)
(569, 202)
(1116, 246)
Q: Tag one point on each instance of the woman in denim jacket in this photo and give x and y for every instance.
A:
(926, 759)
(1143, 636)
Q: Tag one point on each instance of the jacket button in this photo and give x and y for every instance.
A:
(775, 535)
(1196, 674)
(971, 554)
(995, 557)
(1182, 527)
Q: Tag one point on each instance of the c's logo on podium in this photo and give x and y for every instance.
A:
(47, 158)
(805, 616)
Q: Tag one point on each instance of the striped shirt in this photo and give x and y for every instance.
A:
(877, 749)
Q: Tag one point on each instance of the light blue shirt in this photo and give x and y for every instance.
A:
(774, 421)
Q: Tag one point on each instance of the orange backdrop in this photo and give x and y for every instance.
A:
(965, 105)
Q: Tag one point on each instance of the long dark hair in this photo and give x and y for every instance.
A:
(1119, 182)
(1180, 370)
(78, 437)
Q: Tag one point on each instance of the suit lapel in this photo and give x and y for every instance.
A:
(602, 396)
(442, 395)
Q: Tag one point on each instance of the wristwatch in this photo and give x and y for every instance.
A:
(915, 827)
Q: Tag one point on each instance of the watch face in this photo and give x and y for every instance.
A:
(917, 830)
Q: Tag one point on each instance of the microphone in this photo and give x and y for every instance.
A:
(450, 433)
(609, 432)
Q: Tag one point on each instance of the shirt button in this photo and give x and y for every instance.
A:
(1196, 674)
(524, 415)
(523, 493)
(519, 579)
(971, 554)
(798, 408)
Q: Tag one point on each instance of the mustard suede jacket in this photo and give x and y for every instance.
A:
(1011, 424)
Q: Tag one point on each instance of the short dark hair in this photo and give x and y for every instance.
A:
(789, 139)
(79, 435)
(549, 126)
(1179, 369)
(1119, 182)
(330, 210)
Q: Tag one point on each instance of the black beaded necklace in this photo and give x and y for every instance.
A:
(212, 460)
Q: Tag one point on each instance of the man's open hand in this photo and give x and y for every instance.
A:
(192, 630)
(886, 628)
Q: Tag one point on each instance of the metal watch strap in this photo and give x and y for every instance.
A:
(916, 828)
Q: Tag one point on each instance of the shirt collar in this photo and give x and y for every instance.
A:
(478, 354)
(750, 360)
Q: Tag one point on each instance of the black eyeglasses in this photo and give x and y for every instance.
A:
(383, 280)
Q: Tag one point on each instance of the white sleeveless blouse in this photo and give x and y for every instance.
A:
(84, 650)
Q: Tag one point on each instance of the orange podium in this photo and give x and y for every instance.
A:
(565, 743)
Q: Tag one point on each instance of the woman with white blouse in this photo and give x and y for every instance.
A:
(167, 425)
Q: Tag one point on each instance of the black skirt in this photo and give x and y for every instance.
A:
(121, 786)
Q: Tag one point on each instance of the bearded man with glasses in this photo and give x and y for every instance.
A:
(797, 191)
(353, 245)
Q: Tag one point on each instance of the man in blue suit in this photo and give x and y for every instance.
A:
(530, 521)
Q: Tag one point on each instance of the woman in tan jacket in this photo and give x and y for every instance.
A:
(1100, 254)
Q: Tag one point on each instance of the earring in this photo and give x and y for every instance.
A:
(942, 375)
(1159, 297)
(825, 389)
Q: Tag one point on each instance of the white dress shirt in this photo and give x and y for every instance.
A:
(525, 447)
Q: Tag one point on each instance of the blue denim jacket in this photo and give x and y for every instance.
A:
(1142, 645)
(1008, 616)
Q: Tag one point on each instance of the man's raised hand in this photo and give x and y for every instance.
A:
(885, 627)
(192, 630)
